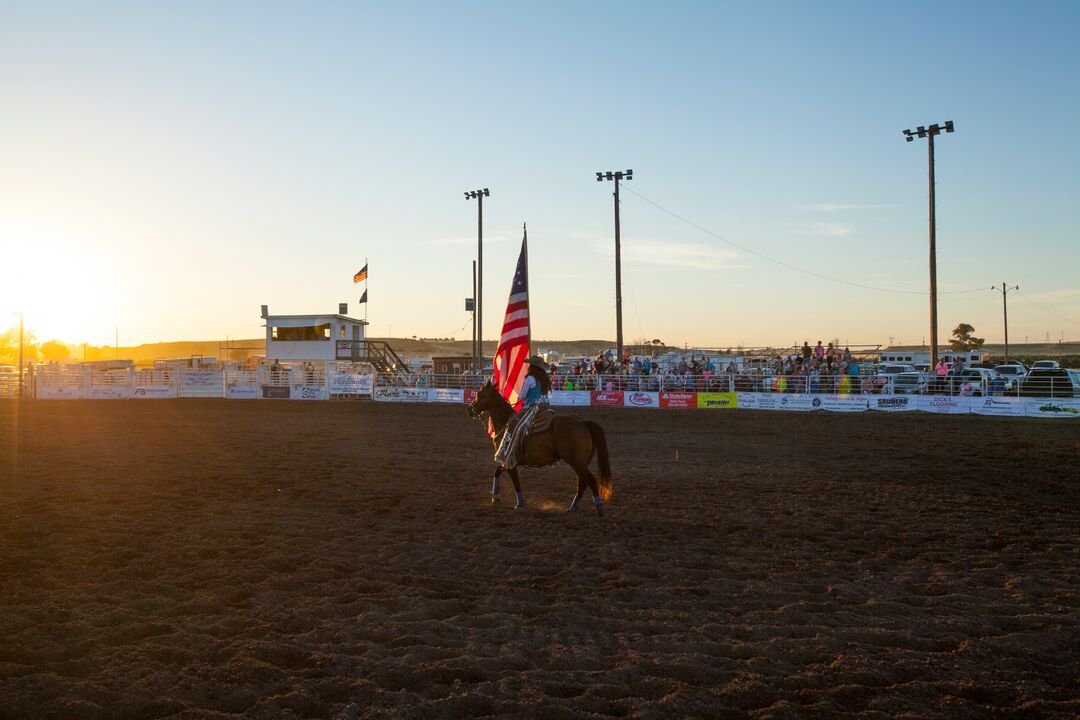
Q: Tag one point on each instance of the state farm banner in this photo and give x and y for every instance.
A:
(607, 398)
(678, 400)
(59, 392)
(446, 395)
(564, 398)
(308, 392)
(1052, 407)
(155, 392)
(945, 404)
(641, 399)
(717, 400)
(350, 383)
(892, 403)
(1005, 406)
(843, 403)
(242, 392)
(109, 392)
(401, 394)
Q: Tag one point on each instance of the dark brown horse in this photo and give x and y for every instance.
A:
(569, 438)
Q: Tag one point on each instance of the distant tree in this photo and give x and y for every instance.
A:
(963, 338)
(54, 351)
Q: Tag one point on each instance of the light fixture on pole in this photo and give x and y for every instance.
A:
(1005, 311)
(478, 196)
(617, 177)
(930, 133)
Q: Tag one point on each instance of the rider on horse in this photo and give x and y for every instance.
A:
(534, 393)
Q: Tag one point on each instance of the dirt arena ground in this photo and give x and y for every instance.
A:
(214, 559)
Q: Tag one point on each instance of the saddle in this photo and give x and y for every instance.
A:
(541, 423)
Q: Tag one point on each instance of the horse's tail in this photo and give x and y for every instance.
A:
(602, 459)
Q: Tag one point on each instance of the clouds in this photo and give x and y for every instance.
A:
(659, 254)
(823, 229)
(836, 207)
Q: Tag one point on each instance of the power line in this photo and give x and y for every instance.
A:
(1046, 309)
(789, 266)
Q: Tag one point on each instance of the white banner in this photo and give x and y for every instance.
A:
(641, 399)
(947, 404)
(759, 401)
(842, 403)
(1052, 407)
(59, 392)
(242, 392)
(1008, 406)
(892, 403)
(350, 384)
(200, 379)
(445, 395)
(798, 403)
(308, 392)
(571, 397)
(155, 392)
(401, 394)
(109, 392)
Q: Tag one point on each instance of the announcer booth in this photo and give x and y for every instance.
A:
(314, 338)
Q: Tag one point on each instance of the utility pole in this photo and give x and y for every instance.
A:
(617, 176)
(20, 355)
(1005, 312)
(478, 196)
(930, 133)
(471, 305)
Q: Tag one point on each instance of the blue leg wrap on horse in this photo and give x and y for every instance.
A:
(521, 498)
(597, 501)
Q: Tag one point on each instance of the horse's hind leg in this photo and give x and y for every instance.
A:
(585, 476)
(580, 492)
(517, 489)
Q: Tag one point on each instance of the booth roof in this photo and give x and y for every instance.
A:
(270, 319)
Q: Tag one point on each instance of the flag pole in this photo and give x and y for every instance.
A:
(365, 293)
(525, 242)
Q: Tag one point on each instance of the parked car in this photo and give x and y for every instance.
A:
(978, 377)
(1014, 374)
(1050, 382)
(906, 383)
(892, 369)
(1045, 364)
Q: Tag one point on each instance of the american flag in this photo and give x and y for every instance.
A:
(512, 355)
(360, 276)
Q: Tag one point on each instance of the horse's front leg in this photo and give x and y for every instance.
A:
(495, 484)
(517, 489)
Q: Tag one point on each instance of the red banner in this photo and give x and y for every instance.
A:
(678, 400)
(607, 398)
(470, 395)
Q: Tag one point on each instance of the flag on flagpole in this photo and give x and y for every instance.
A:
(363, 298)
(360, 276)
(512, 355)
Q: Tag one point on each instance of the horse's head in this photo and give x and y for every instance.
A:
(485, 400)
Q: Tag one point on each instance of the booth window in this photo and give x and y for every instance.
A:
(306, 333)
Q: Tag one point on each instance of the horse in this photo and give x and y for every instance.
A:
(570, 439)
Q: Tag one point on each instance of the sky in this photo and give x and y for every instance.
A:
(166, 168)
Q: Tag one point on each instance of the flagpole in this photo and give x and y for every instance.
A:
(525, 243)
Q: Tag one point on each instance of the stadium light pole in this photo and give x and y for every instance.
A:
(1005, 311)
(20, 355)
(617, 177)
(478, 196)
(930, 133)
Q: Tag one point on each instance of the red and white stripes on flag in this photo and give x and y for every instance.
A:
(512, 355)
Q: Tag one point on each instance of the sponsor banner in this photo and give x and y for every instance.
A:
(678, 400)
(843, 403)
(571, 398)
(243, 392)
(758, 401)
(350, 384)
(309, 392)
(717, 400)
(607, 398)
(200, 379)
(799, 403)
(641, 399)
(945, 404)
(59, 392)
(1052, 407)
(275, 392)
(892, 403)
(445, 395)
(153, 392)
(401, 394)
(1007, 406)
(109, 392)
(470, 395)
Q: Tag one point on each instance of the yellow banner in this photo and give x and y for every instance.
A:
(717, 400)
